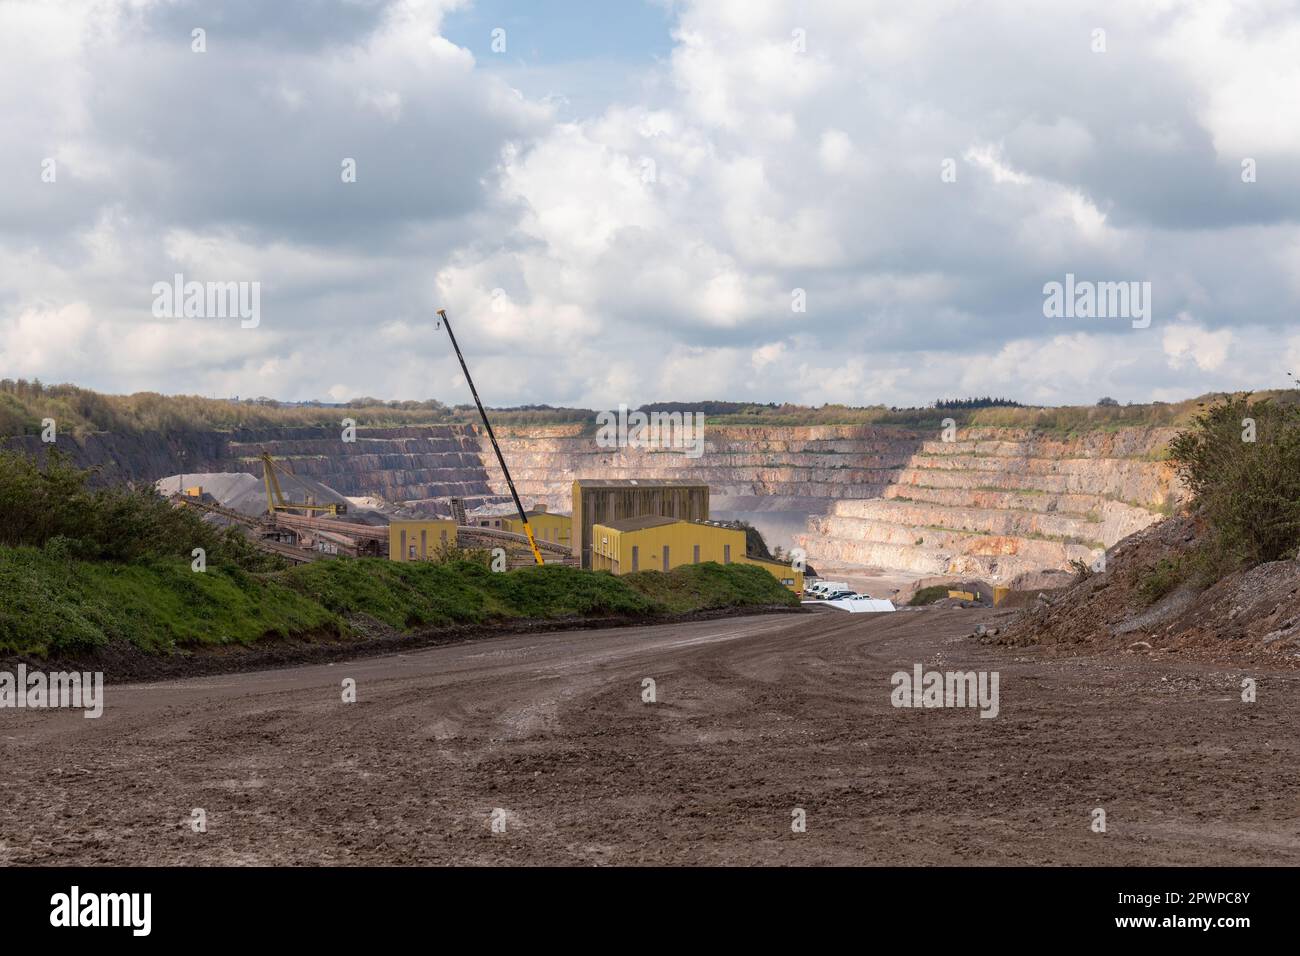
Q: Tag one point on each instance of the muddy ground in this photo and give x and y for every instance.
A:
(754, 717)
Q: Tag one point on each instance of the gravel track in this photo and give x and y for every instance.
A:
(755, 716)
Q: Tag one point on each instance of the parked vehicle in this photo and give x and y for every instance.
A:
(821, 589)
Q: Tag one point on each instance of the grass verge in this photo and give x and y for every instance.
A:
(53, 605)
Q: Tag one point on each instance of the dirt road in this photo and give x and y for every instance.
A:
(754, 717)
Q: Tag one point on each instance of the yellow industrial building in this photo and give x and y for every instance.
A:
(547, 526)
(658, 543)
(419, 540)
(604, 500)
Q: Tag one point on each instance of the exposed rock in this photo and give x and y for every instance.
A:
(1250, 615)
(994, 505)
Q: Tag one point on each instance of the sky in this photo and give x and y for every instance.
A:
(623, 202)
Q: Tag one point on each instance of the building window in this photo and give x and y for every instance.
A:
(636, 563)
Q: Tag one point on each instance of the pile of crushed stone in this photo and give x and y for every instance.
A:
(1248, 616)
(246, 493)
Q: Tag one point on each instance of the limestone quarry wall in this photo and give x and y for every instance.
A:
(992, 503)
(424, 464)
(747, 468)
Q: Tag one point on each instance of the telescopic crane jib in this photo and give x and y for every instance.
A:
(523, 516)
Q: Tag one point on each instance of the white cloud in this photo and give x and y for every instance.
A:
(649, 251)
(1191, 343)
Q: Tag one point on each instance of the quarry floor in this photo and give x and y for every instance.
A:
(754, 717)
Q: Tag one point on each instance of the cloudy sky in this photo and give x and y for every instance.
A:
(617, 200)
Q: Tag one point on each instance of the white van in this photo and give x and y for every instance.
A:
(823, 588)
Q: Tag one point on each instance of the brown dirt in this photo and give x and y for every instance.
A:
(1248, 617)
(755, 716)
(122, 661)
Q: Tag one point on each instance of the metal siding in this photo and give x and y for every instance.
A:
(708, 542)
(598, 505)
(401, 536)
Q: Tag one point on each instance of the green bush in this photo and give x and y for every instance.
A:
(50, 505)
(1248, 492)
(1157, 580)
(936, 592)
(693, 587)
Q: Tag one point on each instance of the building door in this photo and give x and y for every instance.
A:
(665, 557)
(635, 558)
(726, 554)
(697, 554)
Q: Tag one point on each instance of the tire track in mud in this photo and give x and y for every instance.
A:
(754, 717)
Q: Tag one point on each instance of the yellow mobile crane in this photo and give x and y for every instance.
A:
(275, 500)
(523, 516)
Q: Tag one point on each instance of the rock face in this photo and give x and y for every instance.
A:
(993, 503)
(423, 465)
(748, 468)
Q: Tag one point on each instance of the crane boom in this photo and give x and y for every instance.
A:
(523, 516)
(275, 499)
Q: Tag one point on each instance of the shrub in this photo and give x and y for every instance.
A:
(1247, 491)
(50, 505)
(1157, 580)
(936, 592)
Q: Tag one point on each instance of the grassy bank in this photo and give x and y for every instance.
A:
(54, 605)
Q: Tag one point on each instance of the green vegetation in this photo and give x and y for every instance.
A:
(24, 404)
(710, 585)
(410, 595)
(987, 401)
(83, 569)
(1241, 460)
(49, 505)
(79, 411)
(55, 605)
(755, 543)
(1159, 579)
(936, 592)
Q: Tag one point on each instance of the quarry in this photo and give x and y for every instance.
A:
(992, 503)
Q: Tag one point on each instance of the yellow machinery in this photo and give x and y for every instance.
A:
(275, 500)
(523, 515)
